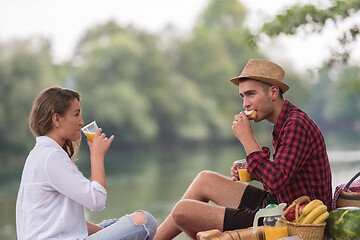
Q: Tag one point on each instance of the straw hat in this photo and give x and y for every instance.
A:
(264, 71)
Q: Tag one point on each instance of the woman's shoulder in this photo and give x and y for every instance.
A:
(47, 154)
(48, 147)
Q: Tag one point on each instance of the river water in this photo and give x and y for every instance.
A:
(155, 179)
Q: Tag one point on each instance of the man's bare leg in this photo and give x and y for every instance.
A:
(193, 213)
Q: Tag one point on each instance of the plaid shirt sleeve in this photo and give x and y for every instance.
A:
(300, 165)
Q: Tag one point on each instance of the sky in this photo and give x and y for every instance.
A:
(64, 22)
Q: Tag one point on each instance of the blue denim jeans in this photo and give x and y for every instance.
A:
(125, 229)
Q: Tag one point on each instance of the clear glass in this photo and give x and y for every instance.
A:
(90, 129)
(241, 166)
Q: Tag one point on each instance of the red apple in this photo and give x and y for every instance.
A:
(290, 216)
(301, 208)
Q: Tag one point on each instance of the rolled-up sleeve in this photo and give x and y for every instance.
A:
(65, 178)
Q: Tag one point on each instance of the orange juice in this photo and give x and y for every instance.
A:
(275, 233)
(244, 175)
(90, 135)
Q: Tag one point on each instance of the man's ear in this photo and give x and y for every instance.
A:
(274, 92)
(56, 119)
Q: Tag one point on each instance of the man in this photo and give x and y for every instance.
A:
(299, 166)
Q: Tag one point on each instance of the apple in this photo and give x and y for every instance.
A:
(290, 216)
(301, 208)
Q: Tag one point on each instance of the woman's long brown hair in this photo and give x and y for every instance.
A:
(48, 102)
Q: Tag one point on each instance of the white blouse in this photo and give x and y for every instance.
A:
(52, 194)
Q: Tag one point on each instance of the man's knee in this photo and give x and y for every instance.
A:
(180, 213)
(204, 176)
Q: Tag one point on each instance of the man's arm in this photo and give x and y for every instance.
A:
(290, 156)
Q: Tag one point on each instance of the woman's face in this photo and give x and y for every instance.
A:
(70, 124)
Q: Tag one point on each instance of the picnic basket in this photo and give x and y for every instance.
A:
(305, 231)
(347, 198)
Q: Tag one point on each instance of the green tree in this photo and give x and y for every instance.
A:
(129, 85)
(108, 70)
(333, 105)
(218, 50)
(223, 14)
(25, 69)
(314, 18)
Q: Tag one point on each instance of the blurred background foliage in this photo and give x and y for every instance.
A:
(167, 89)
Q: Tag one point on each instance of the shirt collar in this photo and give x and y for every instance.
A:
(47, 141)
(283, 115)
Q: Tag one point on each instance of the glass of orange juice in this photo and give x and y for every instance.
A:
(90, 129)
(244, 175)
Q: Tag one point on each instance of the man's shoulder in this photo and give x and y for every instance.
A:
(302, 120)
(295, 113)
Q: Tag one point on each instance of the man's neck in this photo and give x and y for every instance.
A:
(278, 105)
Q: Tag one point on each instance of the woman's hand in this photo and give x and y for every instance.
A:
(100, 143)
(98, 148)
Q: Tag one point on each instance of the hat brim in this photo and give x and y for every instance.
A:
(283, 86)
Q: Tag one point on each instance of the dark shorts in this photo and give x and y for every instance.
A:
(253, 199)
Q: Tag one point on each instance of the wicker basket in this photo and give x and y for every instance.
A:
(349, 199)
(306, 231)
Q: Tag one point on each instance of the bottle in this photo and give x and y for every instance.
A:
(274, 225)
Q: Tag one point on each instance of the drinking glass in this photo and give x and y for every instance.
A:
(244, 175)
(90, 129)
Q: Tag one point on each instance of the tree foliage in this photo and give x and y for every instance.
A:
(130, 87)
(313, 18)
(137, 87)
(25, 69)
(337, 89)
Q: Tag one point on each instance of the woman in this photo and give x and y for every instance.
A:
(53, 191)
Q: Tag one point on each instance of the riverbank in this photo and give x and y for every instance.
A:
(155, 179)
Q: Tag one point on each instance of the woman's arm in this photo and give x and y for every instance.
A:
(98, 148)
(66, 178)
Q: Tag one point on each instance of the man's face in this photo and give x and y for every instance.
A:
(255, 96)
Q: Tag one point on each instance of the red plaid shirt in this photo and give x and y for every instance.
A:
(300, 164)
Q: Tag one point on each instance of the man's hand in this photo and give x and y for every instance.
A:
(243, 131)
(241, 127)
(234, 172)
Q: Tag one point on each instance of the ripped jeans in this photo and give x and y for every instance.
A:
(125, 229)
